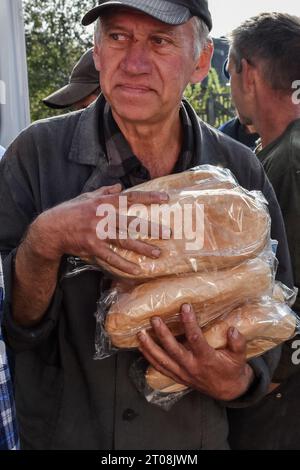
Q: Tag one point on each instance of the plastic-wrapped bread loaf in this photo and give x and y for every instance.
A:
(264, 325)
(158, 381)
(204, 177)
(235, 227)
(210, 293)
(211, 229)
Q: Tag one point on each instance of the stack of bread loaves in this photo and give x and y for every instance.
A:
(221, 265)
(265, 324)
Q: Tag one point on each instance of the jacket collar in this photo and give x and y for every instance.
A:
(86, 148)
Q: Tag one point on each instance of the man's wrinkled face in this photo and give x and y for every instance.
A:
(239, 97)
(145, 64)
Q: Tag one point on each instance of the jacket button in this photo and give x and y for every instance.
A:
(129, 415)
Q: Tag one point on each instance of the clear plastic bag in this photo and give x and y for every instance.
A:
(75, 266)
(204, 176)
(210, 229)
(264, 324)
(282, 293)
(121, 315)
(214, 224)
(162, 398)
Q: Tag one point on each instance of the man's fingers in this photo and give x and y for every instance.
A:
(136, 227)
(195, 339)
(115, 226)
(115, 189)
(139, 247)
(158, 357)
(108, 190)
(175, 350)
(236, 342)
(140, 197)
(146, 197)
(107, 256)
(157, 366)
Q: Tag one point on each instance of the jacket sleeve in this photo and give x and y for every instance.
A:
(18, 208)
(289, 363)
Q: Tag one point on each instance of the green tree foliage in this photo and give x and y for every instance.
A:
(193, 94)
(210, 99)
(55, 39)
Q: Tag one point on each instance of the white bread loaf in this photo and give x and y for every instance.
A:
(204, 177)
(162, 383)
(210, 293)
(264, 326)
(235, 227)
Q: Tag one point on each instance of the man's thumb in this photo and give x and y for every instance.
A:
(108, 190)
(236, 342)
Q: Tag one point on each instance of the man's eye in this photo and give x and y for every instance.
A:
(159, 41)
(117, 36)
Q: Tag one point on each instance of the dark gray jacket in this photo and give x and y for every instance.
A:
(65, 399)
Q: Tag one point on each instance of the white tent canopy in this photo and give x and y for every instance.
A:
(14, 99)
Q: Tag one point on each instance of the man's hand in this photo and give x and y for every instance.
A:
(71, 228)
(222, 374)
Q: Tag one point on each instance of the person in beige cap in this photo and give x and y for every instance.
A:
(83, 87)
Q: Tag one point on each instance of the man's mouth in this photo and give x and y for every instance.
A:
(134, 89)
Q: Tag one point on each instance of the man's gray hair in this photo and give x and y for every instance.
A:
(201, 35)
(273, 41)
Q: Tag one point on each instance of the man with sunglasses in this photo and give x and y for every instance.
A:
(264, 70)
(243, 133)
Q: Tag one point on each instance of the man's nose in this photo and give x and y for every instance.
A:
(137, 59)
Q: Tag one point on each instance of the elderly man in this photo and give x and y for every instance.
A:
(53, 178)
(265, 70)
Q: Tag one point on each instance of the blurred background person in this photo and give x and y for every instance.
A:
(244, 133)
(82, 89)
(263, 65)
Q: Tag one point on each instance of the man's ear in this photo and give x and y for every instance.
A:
(249, 75)
(203, 64)
(96, 57)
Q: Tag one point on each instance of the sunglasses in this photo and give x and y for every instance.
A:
(238, 69)
(225, 69)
